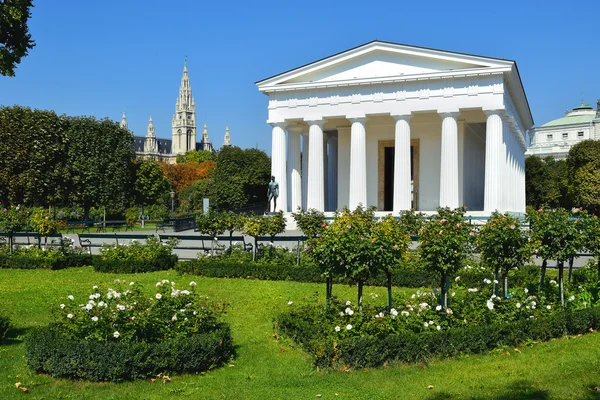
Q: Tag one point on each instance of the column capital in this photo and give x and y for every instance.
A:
(449, 113)
(496, 111)
(295, 128)
(402, 117)
(315, 121)
(357, 118)
(281, 125)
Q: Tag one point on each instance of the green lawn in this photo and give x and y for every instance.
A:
(268, 369)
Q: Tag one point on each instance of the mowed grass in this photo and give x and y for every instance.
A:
(266, 368)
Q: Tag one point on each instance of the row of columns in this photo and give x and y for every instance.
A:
(504, 165)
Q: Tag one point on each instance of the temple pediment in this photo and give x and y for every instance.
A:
(381, 61)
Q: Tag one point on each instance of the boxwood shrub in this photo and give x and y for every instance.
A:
(368, 351)
(24, 261)
(415, 278)
(127, 266)
(50, 352)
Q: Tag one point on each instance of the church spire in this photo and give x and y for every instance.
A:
(150, 132)
(227, 140)
(184, 119)
(123, 123)
(205, 143)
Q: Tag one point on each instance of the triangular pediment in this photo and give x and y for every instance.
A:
(376, 60)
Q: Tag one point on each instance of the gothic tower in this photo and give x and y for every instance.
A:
(205, 143)
(227, 139)
(184, 119)
(124, 121)
(150, 142)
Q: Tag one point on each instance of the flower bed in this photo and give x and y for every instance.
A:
(125, 334)
(136, 257)
(419, 329)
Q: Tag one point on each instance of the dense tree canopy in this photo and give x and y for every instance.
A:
(15, 39)
(196, 156)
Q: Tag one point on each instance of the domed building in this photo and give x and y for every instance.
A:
(555, 138)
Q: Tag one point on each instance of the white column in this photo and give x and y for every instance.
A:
(293, 168)
(325, 172)
(304, 169)
(358, 163)
(449, 161)
(278, 163)
(315, 195)
(333, 172)
(493, 153)
(402, 186)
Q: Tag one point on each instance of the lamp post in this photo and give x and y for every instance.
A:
(172, 204)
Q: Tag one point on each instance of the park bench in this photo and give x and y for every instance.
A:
(33, 238)
(166, 223)
(89, 240)
(83, 225)
(115, 225)
(205, 243)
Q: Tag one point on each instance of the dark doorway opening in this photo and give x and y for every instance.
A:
(388, 179)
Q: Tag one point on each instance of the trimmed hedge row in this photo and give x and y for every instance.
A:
(215, 268)
(49, 352)
(369, 352)
(27, 262)
(134, 266)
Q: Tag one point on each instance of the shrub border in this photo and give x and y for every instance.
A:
(49, 352)
(27, 262)
(369, 352)
(134, 266)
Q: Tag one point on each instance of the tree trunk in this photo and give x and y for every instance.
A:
(360, 295)
(444, 291)
(254, 250)
(143, 216)
(388, 274)
(504, 286)
(10, 243)
(328, 292)
(543, 276)
(570, 268)
(496, 282)
(561, 292)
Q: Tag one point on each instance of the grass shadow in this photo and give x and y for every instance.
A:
(517, 390)
(14, 336)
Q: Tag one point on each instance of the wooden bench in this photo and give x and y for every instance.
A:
(115, 225)
(33, 238)
(85, 239)
(206, 243)
(83, 225)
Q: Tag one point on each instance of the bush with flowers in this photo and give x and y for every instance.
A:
(153, 255)
(125, 332)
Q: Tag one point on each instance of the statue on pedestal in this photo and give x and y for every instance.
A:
(273, 193)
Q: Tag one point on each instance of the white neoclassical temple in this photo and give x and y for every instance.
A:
(399, 127)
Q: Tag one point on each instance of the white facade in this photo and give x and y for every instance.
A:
(399, 127)
(555, 138)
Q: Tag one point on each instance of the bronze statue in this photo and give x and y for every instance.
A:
(273, 193)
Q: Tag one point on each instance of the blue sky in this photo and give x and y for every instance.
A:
(105, 57)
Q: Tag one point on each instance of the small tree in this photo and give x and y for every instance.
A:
(211, 224)
(254, 227)
(310, 222)
(555, 235)
(446, 242)
(390, 243)
(12, 219)
(503, 246)
(232, 222)
(590, 225)
(274, 224)
(412, 221)
(150, 184)
(42, 223)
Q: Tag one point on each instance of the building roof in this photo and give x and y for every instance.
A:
(570, 120)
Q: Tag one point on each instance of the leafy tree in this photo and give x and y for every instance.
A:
(537, 181)
(197, 156)
(210, 223)
(310, 222)
(181, 176)
(584, 153)
(15, 39)
(240, 178)
(586, 187)
(446, 242)
(33, 165)
(389, 247)
(503, 246)
(412, 221)
(150, 184)
(254, 227)
(13, 219)
(233, 222)
(100, 156)
(591, 235)
(274, 224)
(556, 237)
(558, 192)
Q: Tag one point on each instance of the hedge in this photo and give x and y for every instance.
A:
(49, 352)
(134, 266)
(216, 268)
(369, 352)
(54, 263)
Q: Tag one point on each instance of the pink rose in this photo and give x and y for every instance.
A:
(324, 226)
(458, 225)
(540, 210)
(443, 221)
(395, 247)
(349, 226)
(535, 251)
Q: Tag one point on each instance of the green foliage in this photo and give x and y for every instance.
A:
(503, 245)
(554, 235)
(412, 221)
(197, 156)
(547, 182)
(49, 352)
(40, 259)
(274, 224)
(232, 221)
(240, 177)
(42, 222)
(210, 223)
(136, 257)
(584, 153)
(13, 218)
(150, 183)
(310, 222)
(15, 39)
